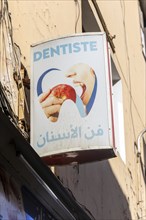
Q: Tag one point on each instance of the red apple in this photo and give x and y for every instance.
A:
(64, 92)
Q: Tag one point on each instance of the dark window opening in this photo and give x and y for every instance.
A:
(34, 210)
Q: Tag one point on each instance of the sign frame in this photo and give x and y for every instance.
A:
(67, 149)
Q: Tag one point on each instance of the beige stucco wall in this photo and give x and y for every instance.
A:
(35, 22)
(110, 189)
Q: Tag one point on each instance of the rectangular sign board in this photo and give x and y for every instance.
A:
(71, 108)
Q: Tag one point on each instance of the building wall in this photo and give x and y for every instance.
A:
(33, 22)
(111, 189)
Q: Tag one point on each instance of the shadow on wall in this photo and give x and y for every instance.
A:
(95, 187)
(90, 24)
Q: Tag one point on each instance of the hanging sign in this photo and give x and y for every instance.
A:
(71, 107)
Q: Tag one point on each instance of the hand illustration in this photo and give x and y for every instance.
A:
(52, 100)
(51, 105)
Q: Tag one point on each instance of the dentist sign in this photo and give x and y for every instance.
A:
(71, 108)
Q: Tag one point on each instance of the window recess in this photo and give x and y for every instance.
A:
(95, 21)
